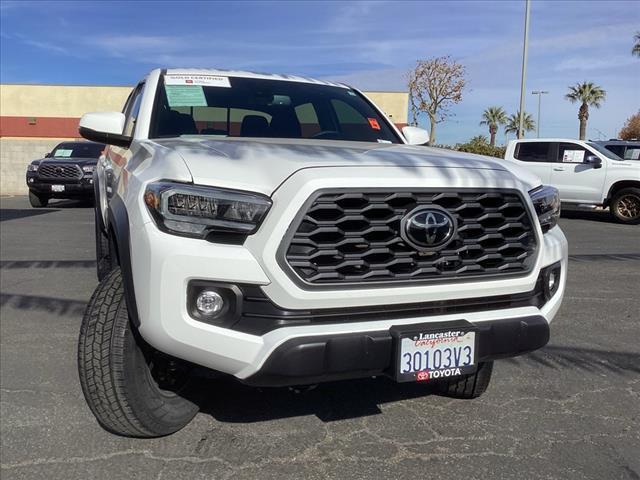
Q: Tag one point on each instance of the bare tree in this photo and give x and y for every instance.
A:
(435, 84)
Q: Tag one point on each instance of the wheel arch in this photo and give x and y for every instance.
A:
(119, 234)
(617, 186)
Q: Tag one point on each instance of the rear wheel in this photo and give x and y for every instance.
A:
(625, 205)
(132, 389)
(467, 386)
(38, 201)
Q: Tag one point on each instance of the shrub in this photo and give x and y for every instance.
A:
(480, 146)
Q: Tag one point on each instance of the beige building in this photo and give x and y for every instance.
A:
(34, 118)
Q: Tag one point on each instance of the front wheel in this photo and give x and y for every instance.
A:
(132, 389)
(625, 206)
(467, 386)
(38, 201)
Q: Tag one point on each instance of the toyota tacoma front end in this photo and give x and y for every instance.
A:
(282, 231)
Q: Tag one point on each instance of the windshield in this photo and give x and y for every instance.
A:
(246, 107)
(78, 150)
(604, 151)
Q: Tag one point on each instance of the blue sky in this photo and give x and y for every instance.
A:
(370, 45)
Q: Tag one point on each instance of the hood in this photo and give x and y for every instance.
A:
(67, 160)
(261, 165)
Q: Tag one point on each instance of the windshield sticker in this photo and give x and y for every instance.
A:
(202, 80)
(63, 152)
(185, 96)
(352, 93)
(573, 156)
(380, 140)
(374, 123)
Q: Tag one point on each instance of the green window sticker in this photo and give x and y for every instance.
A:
(63, 152)
(185, 96)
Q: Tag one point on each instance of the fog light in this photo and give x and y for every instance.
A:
(551, 281)
(209, 303)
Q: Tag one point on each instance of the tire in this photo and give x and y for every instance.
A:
(115, 367)
(467, 386)
(625, 206)
(105, 262)
(38, 201)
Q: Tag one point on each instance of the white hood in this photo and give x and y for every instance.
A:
(261, 165)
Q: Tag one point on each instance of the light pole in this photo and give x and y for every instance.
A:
(539, 93)
(525, 49)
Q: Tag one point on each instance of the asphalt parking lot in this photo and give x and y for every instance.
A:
(569, 411)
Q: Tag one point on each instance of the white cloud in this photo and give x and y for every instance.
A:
(586, 63)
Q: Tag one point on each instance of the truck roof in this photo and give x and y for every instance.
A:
(247, 74)
(548, 140)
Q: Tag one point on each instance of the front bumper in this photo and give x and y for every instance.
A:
(307, 360)
(76, 188)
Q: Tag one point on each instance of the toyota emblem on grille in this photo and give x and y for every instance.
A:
(59, 170)
(428, 228)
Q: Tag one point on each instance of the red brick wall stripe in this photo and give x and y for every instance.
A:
(54, 127)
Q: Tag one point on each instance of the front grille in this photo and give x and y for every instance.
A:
(60, 171)
(344, 237)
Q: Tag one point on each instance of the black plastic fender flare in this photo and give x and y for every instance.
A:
(119, 224)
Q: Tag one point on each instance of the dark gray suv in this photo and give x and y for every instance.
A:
(65, 172)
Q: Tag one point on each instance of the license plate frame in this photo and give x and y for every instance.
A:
(57, 188)
(412, 332)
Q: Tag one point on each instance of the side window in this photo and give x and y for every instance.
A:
(632, 153)
(533, 151)
(131, 111)
(571, 153)
(353, 124)
(617, 149)
(347, 114)
(250, 123)
(308, 119)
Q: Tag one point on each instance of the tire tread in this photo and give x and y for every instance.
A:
(101, 358)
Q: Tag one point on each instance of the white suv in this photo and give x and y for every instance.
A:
(281, 230)
(585, 173)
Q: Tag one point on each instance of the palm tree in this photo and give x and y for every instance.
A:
(636, 46)
(513, 123)
(493, 117)
(588, 94)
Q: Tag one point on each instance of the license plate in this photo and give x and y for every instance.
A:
(57, 188)
(430, 352)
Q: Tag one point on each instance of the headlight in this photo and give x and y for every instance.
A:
(88, 168)
(546, 201)
(197, 211)
(32, 167)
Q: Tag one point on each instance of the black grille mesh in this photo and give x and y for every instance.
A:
(355, 237)
(67, 171)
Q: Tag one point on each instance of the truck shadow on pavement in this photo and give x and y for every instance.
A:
(18, 213)
(593, 215)
(228, 400)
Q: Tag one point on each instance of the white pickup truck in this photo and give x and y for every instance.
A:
(281, 230)
(584, 172)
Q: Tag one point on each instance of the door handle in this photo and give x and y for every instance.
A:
(558, 169)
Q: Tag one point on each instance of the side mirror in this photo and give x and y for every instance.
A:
(593, 160)
(47, 155)
(415, 135)
(104, 127)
